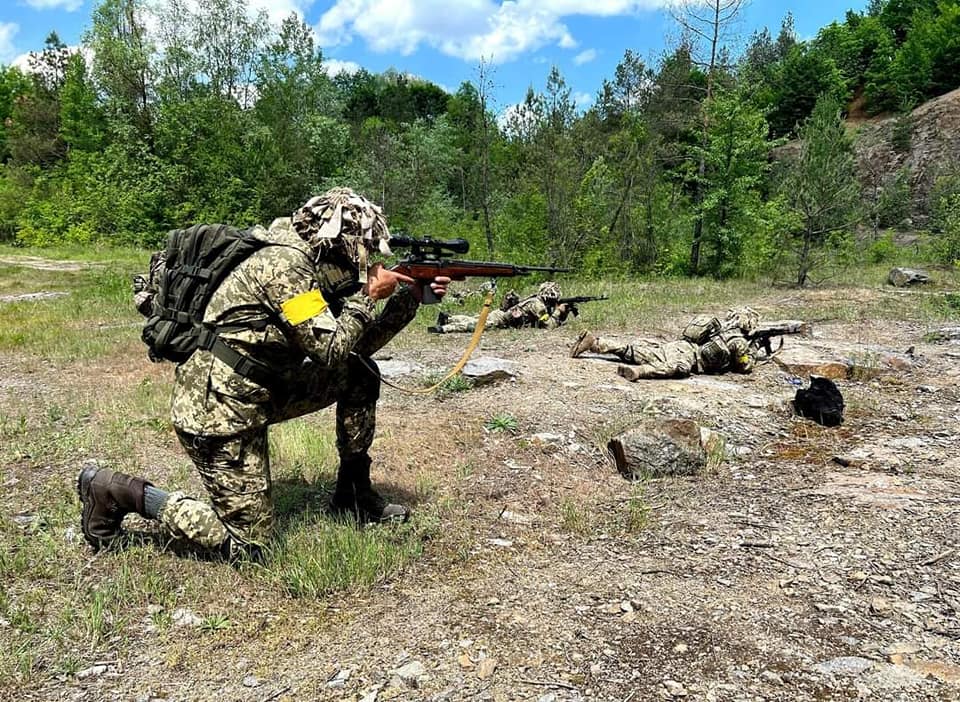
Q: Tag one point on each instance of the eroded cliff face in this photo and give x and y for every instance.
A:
(926, 145)
(922, 147)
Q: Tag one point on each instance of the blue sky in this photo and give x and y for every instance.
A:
(443, 40)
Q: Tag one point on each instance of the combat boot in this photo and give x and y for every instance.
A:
(107, 497)
(355, 495)
(585, 342)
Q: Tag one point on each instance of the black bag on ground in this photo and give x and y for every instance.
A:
(197, 261)
(821, 402)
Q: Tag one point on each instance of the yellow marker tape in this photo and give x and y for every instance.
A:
(544, 317)
(303, 307)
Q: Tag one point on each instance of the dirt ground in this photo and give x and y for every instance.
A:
(782, 575)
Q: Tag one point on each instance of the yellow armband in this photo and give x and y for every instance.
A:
(303, 307)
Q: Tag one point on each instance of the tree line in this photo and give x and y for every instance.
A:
(179, 113)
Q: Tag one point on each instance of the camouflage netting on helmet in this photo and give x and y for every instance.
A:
(743, 318)
(342, 216)
(548, 291)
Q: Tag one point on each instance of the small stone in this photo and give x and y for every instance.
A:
(625, 606)
(411, 673)
(486, 668)
(154, 609)
(844, 665)
(675, 689)
(549, 697)
(879, 604)
(184, 617)
(681, 648)
(768, 676)
(500, 543)
(251, 681)
(339, 680)
(465, 661)
(91, 672)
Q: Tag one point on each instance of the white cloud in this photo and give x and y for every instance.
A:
(25, 61)
(7, 31)
(585, 57)
(466, 29)
(335, 67)
(583, 100)
(68, 5)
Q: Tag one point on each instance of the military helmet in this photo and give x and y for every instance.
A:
(745, 319)
(342, 216)
(548, 291)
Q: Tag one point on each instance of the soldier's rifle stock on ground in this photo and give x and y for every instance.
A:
(429, 258)
(575, 300)
(762, 337)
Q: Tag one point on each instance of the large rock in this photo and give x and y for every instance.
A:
(664, 446)
(841, 361)
(488, 369)
(943, 334)
(903, 277)
(391, 368)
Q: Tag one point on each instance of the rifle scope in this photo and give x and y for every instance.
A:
(429, 245)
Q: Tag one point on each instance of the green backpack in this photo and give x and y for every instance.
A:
(197, 261)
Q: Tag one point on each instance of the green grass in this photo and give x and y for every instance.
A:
(65, 608)
(502, 422)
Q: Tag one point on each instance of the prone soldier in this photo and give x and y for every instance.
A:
(542, 310)
(707, 345)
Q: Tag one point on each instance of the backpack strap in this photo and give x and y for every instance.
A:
(260, 373)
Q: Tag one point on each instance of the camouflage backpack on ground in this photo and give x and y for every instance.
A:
(196, 262)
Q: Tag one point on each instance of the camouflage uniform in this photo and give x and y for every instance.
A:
(271, 310)
(146, 287)
(533, 311)
(709, 345)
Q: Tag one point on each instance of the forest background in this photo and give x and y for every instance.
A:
(704, 163)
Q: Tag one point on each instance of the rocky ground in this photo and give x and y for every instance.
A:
(812, 564)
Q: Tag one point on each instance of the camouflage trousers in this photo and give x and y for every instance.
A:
(235, 470)
(672, 359)
(466, 323)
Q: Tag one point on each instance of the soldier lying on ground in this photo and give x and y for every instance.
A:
(707, 345)
(542, 310)
(291, 310)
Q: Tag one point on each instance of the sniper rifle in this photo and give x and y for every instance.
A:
(429, 258)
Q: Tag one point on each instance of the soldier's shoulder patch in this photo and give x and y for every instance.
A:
(303, 307)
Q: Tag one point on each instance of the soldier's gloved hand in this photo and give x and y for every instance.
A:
(566, 308)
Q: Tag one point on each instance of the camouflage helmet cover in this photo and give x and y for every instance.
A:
(744, 318)
(341, 215)
(548, 291)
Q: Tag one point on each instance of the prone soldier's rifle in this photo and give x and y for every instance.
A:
(575, 300)
(762, 336)
(429, 258)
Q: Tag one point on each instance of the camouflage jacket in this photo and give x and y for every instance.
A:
(533, 312)
(271, 309)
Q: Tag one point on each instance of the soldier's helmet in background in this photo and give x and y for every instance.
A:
(549, 291)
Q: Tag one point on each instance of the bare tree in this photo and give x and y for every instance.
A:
(708, 23)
